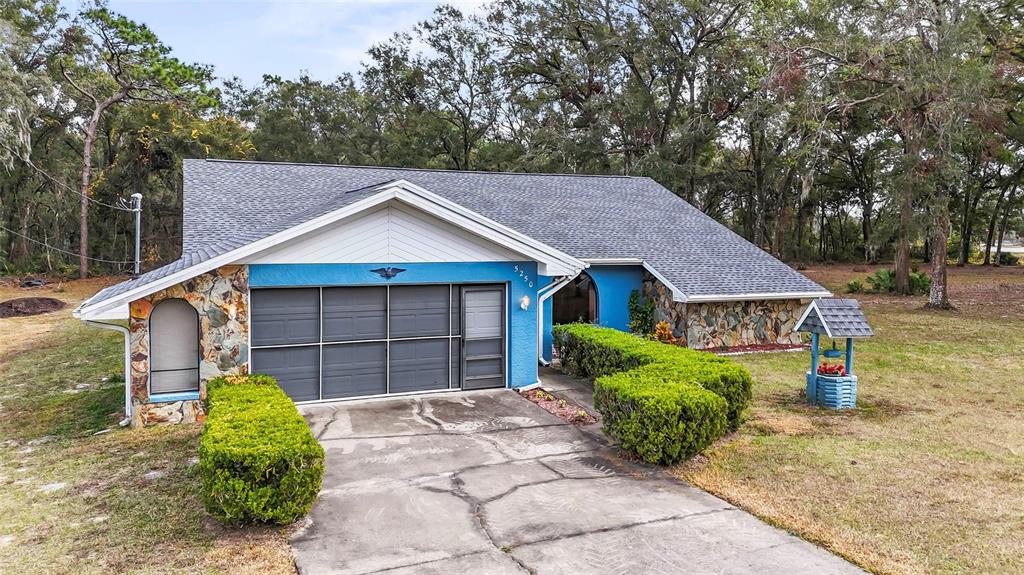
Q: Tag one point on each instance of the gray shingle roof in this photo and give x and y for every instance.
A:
(231, 203)
(843, 317)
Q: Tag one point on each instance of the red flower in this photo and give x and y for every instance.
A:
(832, 369)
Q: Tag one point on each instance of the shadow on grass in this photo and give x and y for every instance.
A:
(56, 387)
(63, 415)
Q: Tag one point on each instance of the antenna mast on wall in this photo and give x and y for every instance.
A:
(137, 208)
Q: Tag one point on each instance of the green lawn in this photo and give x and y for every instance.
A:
(927, 474)
(123, 501)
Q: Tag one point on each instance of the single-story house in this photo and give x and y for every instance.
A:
(348, 281)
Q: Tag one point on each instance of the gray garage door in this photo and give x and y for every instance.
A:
(341, 342)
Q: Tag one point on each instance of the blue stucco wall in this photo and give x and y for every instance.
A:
(614, 284)
(520, 277)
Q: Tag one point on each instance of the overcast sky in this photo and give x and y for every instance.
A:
(249, 39)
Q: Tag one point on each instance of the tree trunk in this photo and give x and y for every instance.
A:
(938, 296)
(83, 222)
(903, 245)
(1002, 225)
(821, 228)
(967, 234)
(865, 227)
(757, 153)
(691, 187)
(800, 230)
(964, 251)
(22, 251)
(990, 235)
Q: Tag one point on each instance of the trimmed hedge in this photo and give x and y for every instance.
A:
(258, 460)
(663, 402)
(662, 422)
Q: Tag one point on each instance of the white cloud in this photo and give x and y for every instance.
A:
(248, 39)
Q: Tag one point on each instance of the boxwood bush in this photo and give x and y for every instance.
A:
(660, 421)
(663, 402)
(258, 460)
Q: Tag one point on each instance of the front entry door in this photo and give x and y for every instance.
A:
(483, 351)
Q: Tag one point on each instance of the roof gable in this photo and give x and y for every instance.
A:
(836, 318)
(228, 251)
(392, 232)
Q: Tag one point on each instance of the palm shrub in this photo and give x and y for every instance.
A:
(884, 281)
(1008, 259)
(258, 460)
(920, 283)
(662, 402)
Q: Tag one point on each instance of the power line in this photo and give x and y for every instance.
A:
(61, 184)
(56, 249)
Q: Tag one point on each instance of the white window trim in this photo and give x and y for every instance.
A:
(172, 395)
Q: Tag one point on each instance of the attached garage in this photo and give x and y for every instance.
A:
(329, 342)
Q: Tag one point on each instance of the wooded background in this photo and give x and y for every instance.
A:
(820, 130)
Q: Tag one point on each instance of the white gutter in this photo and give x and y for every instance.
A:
(127, 365)
(543, 294)
(614, 261)
(753, 296)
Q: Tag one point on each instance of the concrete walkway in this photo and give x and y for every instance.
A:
(487, 482)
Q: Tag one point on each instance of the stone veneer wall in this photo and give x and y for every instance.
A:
(222, 299)
(711, 325)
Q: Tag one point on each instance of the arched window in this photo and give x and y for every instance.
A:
(173, 347)
(576, 301)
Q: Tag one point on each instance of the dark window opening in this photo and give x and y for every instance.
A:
(575, 302)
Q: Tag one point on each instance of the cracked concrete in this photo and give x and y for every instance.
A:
(487, 482)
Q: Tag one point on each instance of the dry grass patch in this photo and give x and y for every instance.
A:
(124, 501)
(22, 332)
(925, 475)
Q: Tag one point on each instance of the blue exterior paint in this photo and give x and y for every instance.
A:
(812, 376)
(849, 356)
(520, 278)
(836, 392)
(614, 284)
(171, 397)
(547, 338)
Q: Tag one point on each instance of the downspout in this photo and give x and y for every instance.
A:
(127, 366)
(543, 294)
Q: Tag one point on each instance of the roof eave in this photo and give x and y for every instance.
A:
(120, 312)
(678, 295)
(698, 298)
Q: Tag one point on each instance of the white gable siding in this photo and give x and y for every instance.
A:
(393, 232)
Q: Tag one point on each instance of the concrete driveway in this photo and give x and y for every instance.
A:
(487, 482)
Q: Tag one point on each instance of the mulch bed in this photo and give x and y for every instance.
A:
(24, 306)
(567, 410)
(739, 349)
